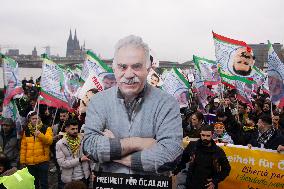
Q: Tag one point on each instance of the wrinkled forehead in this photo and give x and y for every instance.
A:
(131, 54)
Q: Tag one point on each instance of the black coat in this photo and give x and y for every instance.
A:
(273, 143)
(204, 163)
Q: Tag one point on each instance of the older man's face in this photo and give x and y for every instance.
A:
(243, 60)
(130, 70)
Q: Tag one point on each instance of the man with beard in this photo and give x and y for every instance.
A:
(268, 137)
(204, 163)
(266, 108)
(75, 166)
(133, 127)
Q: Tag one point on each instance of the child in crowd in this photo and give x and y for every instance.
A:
(220, 135)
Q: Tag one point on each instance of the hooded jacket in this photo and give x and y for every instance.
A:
(204, 162)
(35, 150)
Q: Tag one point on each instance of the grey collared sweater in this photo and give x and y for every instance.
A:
(156, 115)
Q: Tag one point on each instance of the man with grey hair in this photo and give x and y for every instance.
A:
(133, 128)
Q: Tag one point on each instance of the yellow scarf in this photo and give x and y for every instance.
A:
(33, 128)
(74, 143)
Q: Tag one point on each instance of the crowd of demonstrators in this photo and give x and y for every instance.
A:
(260, 125)
(107, 128)
(242, 122)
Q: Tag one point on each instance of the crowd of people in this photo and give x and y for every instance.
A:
(134, 128)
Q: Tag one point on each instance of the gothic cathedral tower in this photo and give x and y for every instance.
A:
(73, 45)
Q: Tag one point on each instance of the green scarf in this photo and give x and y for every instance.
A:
(74, 143)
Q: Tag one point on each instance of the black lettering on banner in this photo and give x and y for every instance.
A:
(122, 181)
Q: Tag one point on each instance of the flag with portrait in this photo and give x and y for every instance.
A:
(177, 85)
(52, 85)
(208, 70)
(275, 74)
(95, 74)
(202, 91)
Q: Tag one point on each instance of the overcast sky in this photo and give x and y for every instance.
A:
(174, 29)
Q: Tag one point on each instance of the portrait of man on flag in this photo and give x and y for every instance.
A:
(241, 62)
(276, 86)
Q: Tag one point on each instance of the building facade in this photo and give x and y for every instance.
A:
(260, 52)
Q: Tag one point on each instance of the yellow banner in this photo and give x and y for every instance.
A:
(253, 168)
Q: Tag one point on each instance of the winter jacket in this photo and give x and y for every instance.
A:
(68, 162)
(10, 146)
(203, 163)
(273, 143)
(35, 150)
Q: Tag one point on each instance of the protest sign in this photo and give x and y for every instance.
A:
(122, 181)
(253, 168)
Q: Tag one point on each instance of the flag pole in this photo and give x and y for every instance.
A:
(271, 109)
(37, 114)
(238, 118)
(54, 117)
(222, 95)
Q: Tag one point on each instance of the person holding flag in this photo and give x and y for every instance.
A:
(34, 151)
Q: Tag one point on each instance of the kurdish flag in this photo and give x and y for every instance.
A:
(10, 110)
(235, 58)
(201, 89)
(70, 84)
(93, 64)
(237, 68)
(95, 74)
(12, 84)
(275, 74)
(177, 85)
(52, 89)
(208, 70)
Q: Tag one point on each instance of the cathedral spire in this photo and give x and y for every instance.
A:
(70, 36)
(75, 36)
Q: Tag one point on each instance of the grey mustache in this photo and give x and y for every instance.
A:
(130, 81)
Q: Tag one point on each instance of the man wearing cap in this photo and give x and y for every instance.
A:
(215, 106)
(9, 144)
